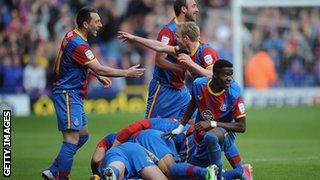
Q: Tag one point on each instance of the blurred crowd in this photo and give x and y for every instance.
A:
(282, 47)
(31, 33)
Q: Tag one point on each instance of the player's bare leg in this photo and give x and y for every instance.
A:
(96, 159)
(165, 163)
(152, 172)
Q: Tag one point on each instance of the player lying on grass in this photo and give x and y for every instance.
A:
(163, 149)
(160, 149)
(221, 113)
(130, 160)
(184, 146)
(186, 143)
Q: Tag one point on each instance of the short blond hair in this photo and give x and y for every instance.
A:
(190, 29)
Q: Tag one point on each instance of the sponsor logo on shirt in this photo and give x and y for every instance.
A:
(89, 54)
(208, 59)
(165, 40)
(241, 108)
(207, 115)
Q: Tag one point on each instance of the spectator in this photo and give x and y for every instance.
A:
(260, 71)
(296, 76)
(34, 79)
(12, 75)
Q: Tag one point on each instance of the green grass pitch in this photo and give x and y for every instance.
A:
(280, 143)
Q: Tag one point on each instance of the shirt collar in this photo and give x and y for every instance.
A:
(213, 93)
(195, 49)
(76, 30)
(176, 20)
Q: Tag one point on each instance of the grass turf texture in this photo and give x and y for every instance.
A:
(280, 143)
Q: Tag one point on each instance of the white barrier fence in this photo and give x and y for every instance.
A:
(19, 104)
(282, 97)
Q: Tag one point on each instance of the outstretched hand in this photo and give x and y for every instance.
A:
(135, 71)
(124, 36)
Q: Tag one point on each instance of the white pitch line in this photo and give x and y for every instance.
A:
(286, 159)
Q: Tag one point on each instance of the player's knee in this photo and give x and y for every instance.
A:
(211, 138)
(71, 136)
(96, 159)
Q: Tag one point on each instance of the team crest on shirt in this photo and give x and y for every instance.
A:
(207, 115)
(223, 107)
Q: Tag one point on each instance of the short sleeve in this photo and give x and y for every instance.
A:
(103, 144)
(194, 91)
(209, 56)
(238, 109)
(197, 86)
(166, 36)
(83, 55)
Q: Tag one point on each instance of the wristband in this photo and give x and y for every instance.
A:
(213, 124)
(178, 130)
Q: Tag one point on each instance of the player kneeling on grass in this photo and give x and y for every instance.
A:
(221, 113)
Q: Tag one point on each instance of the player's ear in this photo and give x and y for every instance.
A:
(184, 9)
(214, 75)
(188, 38)
(85, 24)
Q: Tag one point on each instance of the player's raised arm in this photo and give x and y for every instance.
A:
(149, 43)
(101, 70)
(167, 37)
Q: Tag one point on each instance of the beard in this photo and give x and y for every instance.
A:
(190, 17)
